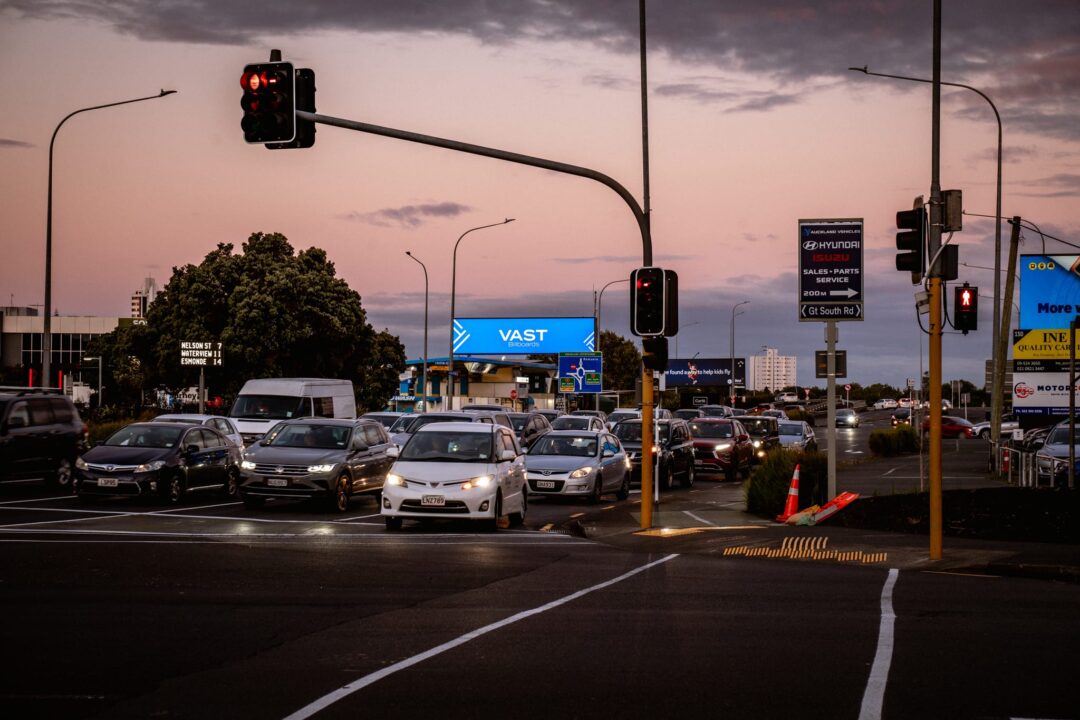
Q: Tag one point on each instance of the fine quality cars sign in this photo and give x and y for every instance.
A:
(830, 269)
(523, 336)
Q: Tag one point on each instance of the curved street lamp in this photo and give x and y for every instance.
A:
(46, 338)
(453, 294)
(423, 380)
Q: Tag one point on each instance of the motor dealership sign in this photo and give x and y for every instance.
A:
(1046, 344)
(1041, 393)
(830, 269)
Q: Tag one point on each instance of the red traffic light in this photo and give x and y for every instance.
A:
(965, 297)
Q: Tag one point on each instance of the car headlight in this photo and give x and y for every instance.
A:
(80, 464)
(478, 482)
(150, 466)
(395, 480)
(580, 473)
(326, 467)
(723, 446)
(757, 443)
(629, 465)
(247, 465)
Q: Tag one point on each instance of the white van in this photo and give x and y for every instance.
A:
(262, 404)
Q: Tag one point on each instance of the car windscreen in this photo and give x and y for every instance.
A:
(576, 445)
(448, 446)
(326, 437)
(757, 426)
(631, 431)
(1060, 436)
(146, 436)
(404, 423)
(711, 430)
(571, 422)
(790, 429)
(270, 406)
(387, 421)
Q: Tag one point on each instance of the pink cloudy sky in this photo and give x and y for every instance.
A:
(755, 122)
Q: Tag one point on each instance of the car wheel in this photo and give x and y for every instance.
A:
(341, 494)
(492, 524)
(624, 489)
(985, 434)
(598, 489)
(174, 489)
(253, 501)
(393, 524)
(668, 476)
(232, 484)
(62, 476)
(688, 478)
(518, 519)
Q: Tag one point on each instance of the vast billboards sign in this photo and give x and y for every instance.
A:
(704, 372)
(1049, 290)
(830, 270)
(523, 336)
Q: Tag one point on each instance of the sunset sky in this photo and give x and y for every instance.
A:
(755, 122)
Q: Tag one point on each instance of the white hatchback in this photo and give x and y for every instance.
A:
(468, 471)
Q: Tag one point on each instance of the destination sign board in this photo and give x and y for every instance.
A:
(830, 269)
(202, 354)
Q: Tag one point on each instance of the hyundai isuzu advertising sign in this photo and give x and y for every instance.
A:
(523, 336)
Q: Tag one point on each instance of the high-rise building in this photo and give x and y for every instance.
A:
(142, 298)
(772, 371)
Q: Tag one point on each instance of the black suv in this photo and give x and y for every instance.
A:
(676, 450)
(41, 435)
(764, 431)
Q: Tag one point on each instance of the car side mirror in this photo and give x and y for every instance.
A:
(507, 455)
(393, 451)
(191, 449)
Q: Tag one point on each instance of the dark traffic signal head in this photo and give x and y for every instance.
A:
(654, 354)
(913, 241)
(648, 306)
(269, 103)
(966, 308)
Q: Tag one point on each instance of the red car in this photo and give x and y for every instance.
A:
(721, 444)
(951, 427)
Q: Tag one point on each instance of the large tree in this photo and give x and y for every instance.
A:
(278, 313)
(622, 361)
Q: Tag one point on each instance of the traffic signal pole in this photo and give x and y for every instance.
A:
(934, 251)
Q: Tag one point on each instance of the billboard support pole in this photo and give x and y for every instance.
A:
(830, 411)
(998, 389)
(1072, 402)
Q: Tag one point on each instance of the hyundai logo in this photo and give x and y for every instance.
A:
(810, 245)
(545, 473)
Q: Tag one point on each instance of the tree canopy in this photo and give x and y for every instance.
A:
(277, 313)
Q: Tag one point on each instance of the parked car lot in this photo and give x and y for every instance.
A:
(466, 471)
(41, 436)
(1052, 459)
(1008, 424)
(321, 458)
(578, 463)
(165, 460)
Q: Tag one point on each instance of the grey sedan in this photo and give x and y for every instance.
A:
(582, 463)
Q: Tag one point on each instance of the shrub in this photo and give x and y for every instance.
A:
(100, 431)
(895, 441)
(767, 489)
(800, 414)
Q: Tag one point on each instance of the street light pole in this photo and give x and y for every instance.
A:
(599, 326)
(46, 338)
(732, 346)
(423, 380)
(997, 361)
(696, 322)
(453, 295)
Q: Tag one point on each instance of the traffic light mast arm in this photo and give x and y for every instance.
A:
(639, 215)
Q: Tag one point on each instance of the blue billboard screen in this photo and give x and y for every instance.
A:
(523, 336)
(1049, 291)
(704, 372)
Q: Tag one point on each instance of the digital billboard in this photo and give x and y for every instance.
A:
(523, 336)
(1049, 291)
(704, 372)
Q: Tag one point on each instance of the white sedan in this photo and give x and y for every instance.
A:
(468, 471)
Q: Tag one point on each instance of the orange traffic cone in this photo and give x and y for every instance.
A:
(792, 505)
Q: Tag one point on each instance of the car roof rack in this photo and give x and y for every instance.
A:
(23, 390)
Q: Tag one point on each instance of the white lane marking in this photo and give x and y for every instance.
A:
(68, 520)
(699, 519)
(327, 700)
(246, 540)
(358, 517)
(874, 697)
(508, 538)
(197, 507)
(44, 499)
(891, 471)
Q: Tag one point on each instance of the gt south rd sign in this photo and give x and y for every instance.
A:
(830, 270)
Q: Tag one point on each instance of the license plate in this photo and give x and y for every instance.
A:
(107, 482)
(435, 500)
(549, 484)
(277, 482)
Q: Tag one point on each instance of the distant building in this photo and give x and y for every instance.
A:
(142, 298)
(772, 371)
